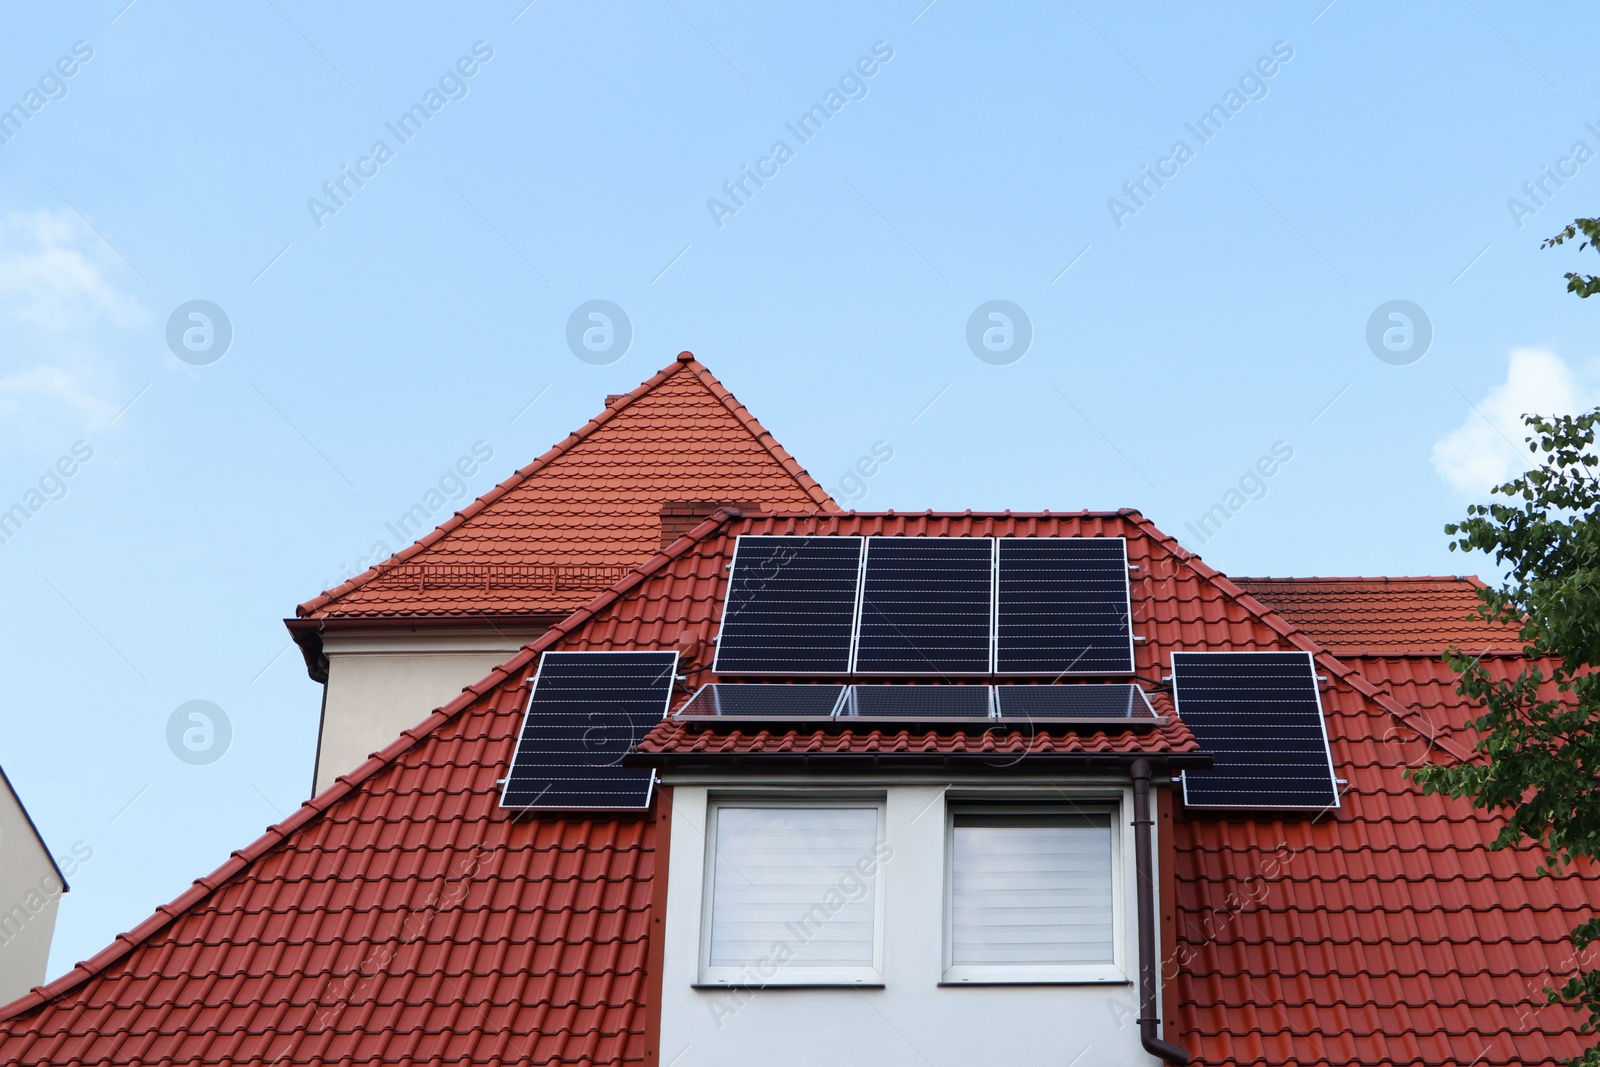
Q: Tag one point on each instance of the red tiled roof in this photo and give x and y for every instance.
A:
(1388, 931)
(1385, 616)
(569, 524)
(1385, 932)
(1374, 935)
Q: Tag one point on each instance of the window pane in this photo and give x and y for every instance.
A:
(790, 877)
(1031, 889)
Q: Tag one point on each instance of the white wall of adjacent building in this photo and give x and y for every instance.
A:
(30, 892)
(915, 1013)
(382, 683)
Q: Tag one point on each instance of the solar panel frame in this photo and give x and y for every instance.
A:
(639, 722)
(725, 663)
(1144, 715)
(1194, 782)
(714, 692)
(929, 667)
(1058, 668)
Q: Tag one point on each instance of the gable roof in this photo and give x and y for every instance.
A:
(567, 526)
(402, 915)
(1386, 616)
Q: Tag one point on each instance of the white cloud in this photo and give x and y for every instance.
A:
(62, 316)
(53, 274)
(1488, 447)
(44, 403)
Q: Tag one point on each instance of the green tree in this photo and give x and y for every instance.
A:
(1585, 285)
(1539, 732)
(1538, 735)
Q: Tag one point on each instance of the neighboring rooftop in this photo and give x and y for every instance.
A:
(569, 524)
(1385, 616)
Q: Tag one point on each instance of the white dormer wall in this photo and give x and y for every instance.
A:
(382, 682)
(917, 1010)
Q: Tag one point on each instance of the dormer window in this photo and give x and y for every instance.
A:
(1032, 895)
(793, 893)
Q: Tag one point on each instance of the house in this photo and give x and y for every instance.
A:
(966, 886)
(405, 636)
(30, 891)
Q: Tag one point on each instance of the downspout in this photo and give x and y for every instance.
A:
(1144, 867)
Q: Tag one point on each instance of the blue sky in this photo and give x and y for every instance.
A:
(1176, 337)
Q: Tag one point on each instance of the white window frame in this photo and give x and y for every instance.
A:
(1052, 973)
(784, 975)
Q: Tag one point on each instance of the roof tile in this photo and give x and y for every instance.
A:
(1385, 616)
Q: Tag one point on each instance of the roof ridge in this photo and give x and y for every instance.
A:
(967, 513)
(1400, 652)
(683, 361)
(344, 785)
(1351, 676)
(1467, 578)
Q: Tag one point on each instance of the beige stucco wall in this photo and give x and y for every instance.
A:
(30, 891)
(381, 684)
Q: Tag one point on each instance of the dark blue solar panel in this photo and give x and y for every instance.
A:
(1087, 700)
(1259, 716)
(587, 710)
(926, 606)
(728, 700)
(790, 607)
(1062, 606)
(866, 702)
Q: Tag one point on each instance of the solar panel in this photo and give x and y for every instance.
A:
(1112, 700)
(1259, 715)
(729, 700)
(586, 711)
(916, 702)
(1062, 606)
(927, 606)
(790, 607)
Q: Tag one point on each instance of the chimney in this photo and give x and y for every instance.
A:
(678, 517)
